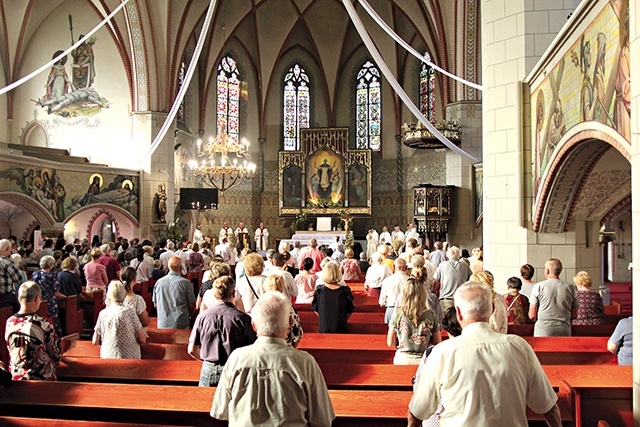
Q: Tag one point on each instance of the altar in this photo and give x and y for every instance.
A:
(323, 237)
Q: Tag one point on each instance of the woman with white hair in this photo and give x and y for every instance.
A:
(17, 261)
(118, 329)
(376, 273)
(50, 288)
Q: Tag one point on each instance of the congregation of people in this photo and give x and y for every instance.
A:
(245, 327)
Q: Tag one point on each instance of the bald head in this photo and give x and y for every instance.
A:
(175, 264)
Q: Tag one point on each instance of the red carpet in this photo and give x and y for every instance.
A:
(622, 292)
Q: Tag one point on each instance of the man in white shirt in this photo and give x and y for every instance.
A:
(225, 251)
(242, 237)
(412, 233)
(482, 378)
(271, 371)
(372, 241)
(198, 237)
(225, 232)
(290, 289)
(261, 236)
(166, 255)
(391, 287)
(397, 234)
(385, 237)
(438, 255)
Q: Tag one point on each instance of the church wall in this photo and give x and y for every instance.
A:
(104, 137)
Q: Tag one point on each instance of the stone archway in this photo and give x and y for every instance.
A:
(39, 212)
(571, 166)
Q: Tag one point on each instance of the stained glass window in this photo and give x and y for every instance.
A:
(228, 98)
(181, 112)
(368, 109)
(296, 106)
(428, 90)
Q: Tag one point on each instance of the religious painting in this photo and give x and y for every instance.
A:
(358, 185)
(63, 192)
(477, 192)
(590, 82)
(325, 179)
(76, 96)
(292, 186)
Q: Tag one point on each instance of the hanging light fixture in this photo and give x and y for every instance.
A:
(415, 135)
(215, 166)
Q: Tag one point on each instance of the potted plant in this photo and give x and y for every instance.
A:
(299, 222)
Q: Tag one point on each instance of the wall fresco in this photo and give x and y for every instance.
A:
(591, 82)
(63, 192)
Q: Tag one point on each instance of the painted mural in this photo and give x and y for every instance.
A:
(590, 83)
(63, 192)
(75, 96)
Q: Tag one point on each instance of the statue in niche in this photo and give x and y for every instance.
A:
(160, 204)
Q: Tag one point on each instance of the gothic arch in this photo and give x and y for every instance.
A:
(40, 213)
(103, 208)
(574, 158)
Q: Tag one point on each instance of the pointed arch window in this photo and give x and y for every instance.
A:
(368, 108)
(181, 109)
(297, 101)
(228, 98)
(428, 90)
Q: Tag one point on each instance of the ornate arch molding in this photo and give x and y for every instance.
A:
(101, 213)
(41, 214)
(108, 209)
(621, 206)
(573, 160)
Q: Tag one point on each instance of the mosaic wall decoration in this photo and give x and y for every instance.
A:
(590, 83)
(325, 177)
(63, 192)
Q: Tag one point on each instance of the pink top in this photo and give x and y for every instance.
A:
(306, 288)
(93, 274)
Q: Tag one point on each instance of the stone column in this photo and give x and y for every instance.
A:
(515, 34)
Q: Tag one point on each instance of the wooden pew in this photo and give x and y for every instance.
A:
(5, 314)
(143, 289)
(369, 306)
(71, 316)
(359, 322)
(576, 330)
(175, 405)
(92, 309)
(48, 422)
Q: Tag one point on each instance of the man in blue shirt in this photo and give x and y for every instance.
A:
(174, 298)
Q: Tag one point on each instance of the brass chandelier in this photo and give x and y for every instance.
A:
(215, 166)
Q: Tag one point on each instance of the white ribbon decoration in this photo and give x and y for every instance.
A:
(185, 84)
(396, 86)
(411, 50)
(63, 54)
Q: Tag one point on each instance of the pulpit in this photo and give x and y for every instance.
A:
(432, 209)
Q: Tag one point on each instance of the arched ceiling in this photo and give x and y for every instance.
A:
(263, 30)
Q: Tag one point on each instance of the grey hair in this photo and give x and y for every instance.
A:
(418, 260)
(47, 261)
(5, 245)
(28, 291)
(453, 253)
(475, 300)
(271, 314)
(17, 260)
(116, 291)
(170, 245)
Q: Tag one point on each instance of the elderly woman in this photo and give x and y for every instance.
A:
(333, 303)
(50, 288)
(275, 282)
(591, 309)
(118, 329)
(412, 324)
(218, 269)
(195, 263)
(249, 286)
(306, 283)
(498, 320)
(67, 278)
(95, 273)
(350, 267)
(133, 300)
(517, 304)
(376, 274)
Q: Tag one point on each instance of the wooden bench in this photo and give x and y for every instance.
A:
(175, 405)
(576, 330)
(369, 306)
(372, 348)
(48, 422)
(359, 322)
(71, 316)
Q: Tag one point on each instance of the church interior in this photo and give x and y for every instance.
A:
(524, 141)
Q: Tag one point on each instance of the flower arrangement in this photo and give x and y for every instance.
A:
(172, 232)
(299, 222)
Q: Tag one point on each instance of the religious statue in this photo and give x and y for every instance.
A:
(160, 204)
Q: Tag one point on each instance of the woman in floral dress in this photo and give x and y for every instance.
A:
(413, 327)
(591, 309)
